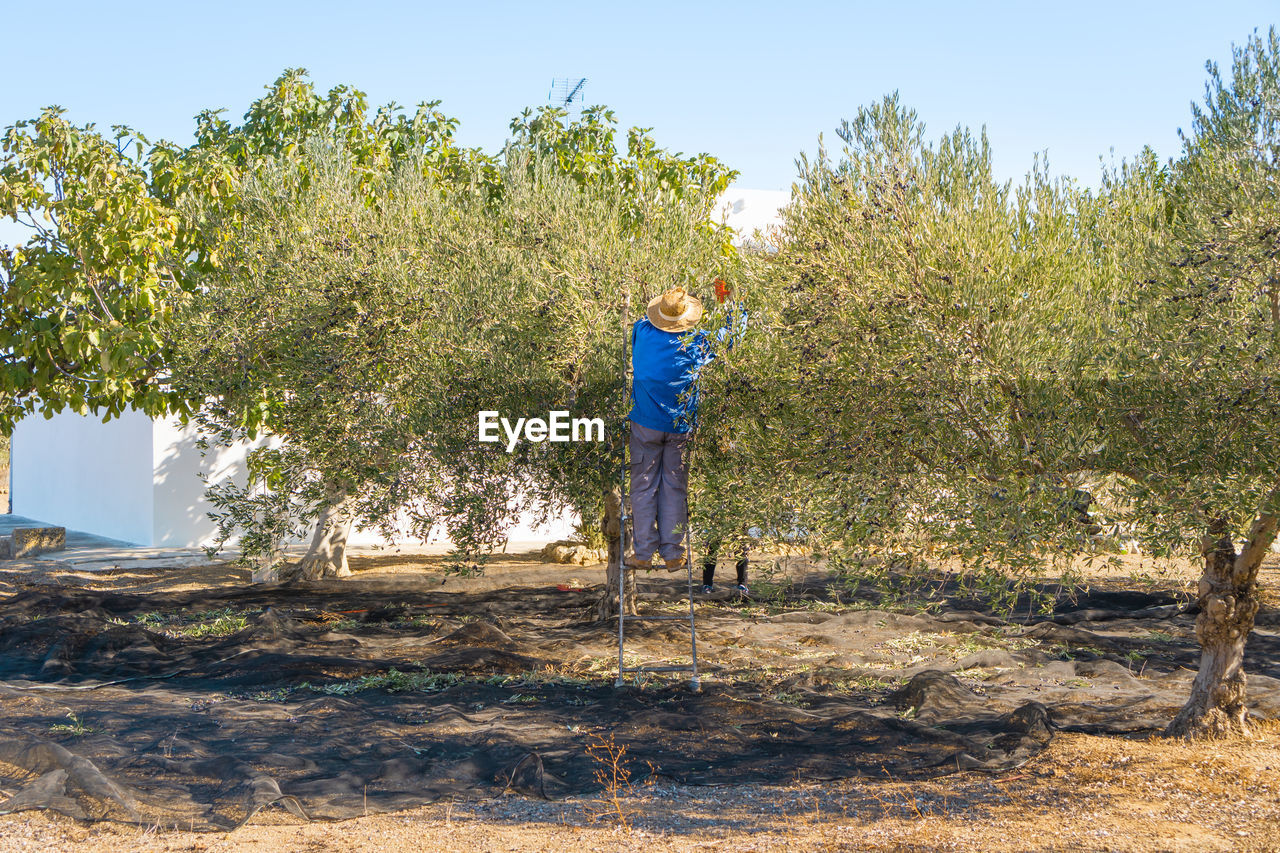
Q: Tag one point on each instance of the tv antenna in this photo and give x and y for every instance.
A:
(566, 90)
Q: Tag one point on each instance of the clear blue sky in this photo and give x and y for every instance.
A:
(753, 83)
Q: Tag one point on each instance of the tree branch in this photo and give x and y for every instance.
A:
(1261, 534)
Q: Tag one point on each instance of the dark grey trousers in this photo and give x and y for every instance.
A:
(659, 491)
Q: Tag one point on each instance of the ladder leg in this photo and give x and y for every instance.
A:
(622, 642)
(624, 483)
(622, 575)
(695, 682)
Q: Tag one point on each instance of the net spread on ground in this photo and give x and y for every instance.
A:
(335, 700)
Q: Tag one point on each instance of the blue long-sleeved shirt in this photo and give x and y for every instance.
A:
(665, 367)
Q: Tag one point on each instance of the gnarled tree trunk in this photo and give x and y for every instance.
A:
(1228, 598)
(327, 556)
(611, 527)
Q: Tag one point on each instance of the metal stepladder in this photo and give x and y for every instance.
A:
(695, 682)
(626, 575)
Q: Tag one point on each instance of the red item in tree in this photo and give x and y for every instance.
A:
(722, 290)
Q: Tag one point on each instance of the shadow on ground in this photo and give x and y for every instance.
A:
(198, 709)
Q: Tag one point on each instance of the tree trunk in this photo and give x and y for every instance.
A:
(1228, 598)
(327, 556)
(611, 527)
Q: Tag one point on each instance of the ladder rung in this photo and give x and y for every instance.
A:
(685, 668)
(656, 618)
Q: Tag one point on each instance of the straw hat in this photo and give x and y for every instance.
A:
(675, 311)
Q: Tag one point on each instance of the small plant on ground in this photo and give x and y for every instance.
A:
(392, 681)
(1065, 651)
(796, 699)
(464, 565)
(195, 626)
(974, 642)
(869, 682)
(916, 641)
(614, 777)
(75, 728)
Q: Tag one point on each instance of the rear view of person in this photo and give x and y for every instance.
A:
(666, 358)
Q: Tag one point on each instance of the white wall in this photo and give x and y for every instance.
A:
(131, 479)
(138, 481)
(83, 474)
(524, 530)
(181, 512)
(181, 515)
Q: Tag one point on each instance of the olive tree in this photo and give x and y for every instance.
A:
(527, 274)
(953, 359)
(553, 335)
(1186, 403)
(599, 232)
(326, 320)
(896, 384)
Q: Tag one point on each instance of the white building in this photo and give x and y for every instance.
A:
(142, 481)
(752, 213)
(133, 478)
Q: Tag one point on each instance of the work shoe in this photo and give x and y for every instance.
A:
(634, 562)
(675, 564)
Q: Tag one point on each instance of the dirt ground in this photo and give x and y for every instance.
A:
(1104, 781)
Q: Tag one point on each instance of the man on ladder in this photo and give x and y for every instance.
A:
(665, 362)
